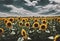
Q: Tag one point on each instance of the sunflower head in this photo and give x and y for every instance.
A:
(36, 19)
(5, 21)
(44, 21)
(11, 19)
(9, 24)
(21, 23)
(23, 32)
(27, 24)
(43, 27)
(57, 38)
(24, 19)
(1, 30)
(35, 24)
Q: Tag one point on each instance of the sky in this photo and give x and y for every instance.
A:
(28, 8)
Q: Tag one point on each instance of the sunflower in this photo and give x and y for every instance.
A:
(23, 32)
(5, 21)
(44, 21)
(11, 19)
(24, 19)
(27, 24)
(36, 19)
(27, 18)
(9, 24)
(1, 30)
(35, 24)
(43, 27)
(20, 23)
(57, 38)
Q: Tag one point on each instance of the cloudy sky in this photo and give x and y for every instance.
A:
(29, 8)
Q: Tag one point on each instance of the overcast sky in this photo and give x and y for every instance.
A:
(30, 9)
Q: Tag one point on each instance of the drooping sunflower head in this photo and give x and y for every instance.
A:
(23, 32)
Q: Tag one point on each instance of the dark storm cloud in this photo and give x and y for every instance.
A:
(43, 2)
(4, 8)
(6, 1)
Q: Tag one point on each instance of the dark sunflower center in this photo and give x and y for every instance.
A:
(43, 27)
(5, 21)
(9, 24)
(11, 20)
(23, 20)
(20, 23)
(19, 18)
(58, 19)
(36, 25)
(35, 20)
(44, 22)
(23, 33)
(27, 24)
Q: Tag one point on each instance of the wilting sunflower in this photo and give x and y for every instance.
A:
(11, 19)
(27, 24)
(43, 27)
(1, 31)
(23, 32)
(35, 24)
(57, 38)
(9, 24)
(20, 23)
